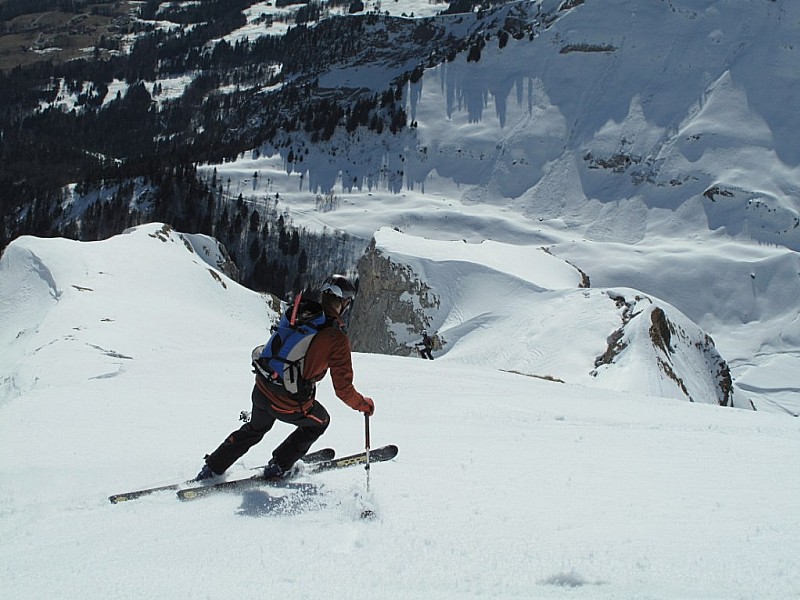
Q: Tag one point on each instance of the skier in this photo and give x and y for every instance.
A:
(426, 346)
(329, 349)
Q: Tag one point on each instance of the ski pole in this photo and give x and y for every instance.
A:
(367, 513)
(366, 447)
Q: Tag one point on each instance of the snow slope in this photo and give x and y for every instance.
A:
(124, 361)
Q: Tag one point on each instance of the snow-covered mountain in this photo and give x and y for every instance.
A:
(512, 308)
(124, 361)
(649, 144)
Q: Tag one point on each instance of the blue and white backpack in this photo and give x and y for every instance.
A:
(280, 361)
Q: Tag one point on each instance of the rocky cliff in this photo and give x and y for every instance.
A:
(393, 308)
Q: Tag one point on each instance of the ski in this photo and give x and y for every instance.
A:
(378, 455)
(319, 456)
(381, 454)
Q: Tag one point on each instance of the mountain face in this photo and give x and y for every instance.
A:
(651, 145)
(603, 111)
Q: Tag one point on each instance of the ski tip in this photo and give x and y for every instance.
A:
(391, 450)
(117, 498)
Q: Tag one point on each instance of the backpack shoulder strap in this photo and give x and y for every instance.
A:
(296, 305)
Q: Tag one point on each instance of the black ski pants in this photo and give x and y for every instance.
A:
(310, 426)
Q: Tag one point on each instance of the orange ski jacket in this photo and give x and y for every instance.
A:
(329, 351)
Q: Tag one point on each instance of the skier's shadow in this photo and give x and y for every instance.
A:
(284, 499)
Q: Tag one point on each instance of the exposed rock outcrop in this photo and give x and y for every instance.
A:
(675, 350)
(391, 308)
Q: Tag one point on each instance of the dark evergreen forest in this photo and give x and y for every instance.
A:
(132, 147)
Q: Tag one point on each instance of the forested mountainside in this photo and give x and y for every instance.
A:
(276, 127)
(129, 156)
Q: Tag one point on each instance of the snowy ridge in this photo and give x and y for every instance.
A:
(511, 307)
(665, 353)
(61, 297)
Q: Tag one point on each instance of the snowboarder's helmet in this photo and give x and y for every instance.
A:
(339, 286)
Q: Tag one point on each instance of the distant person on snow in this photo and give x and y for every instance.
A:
(426, 346)
(329, 349)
